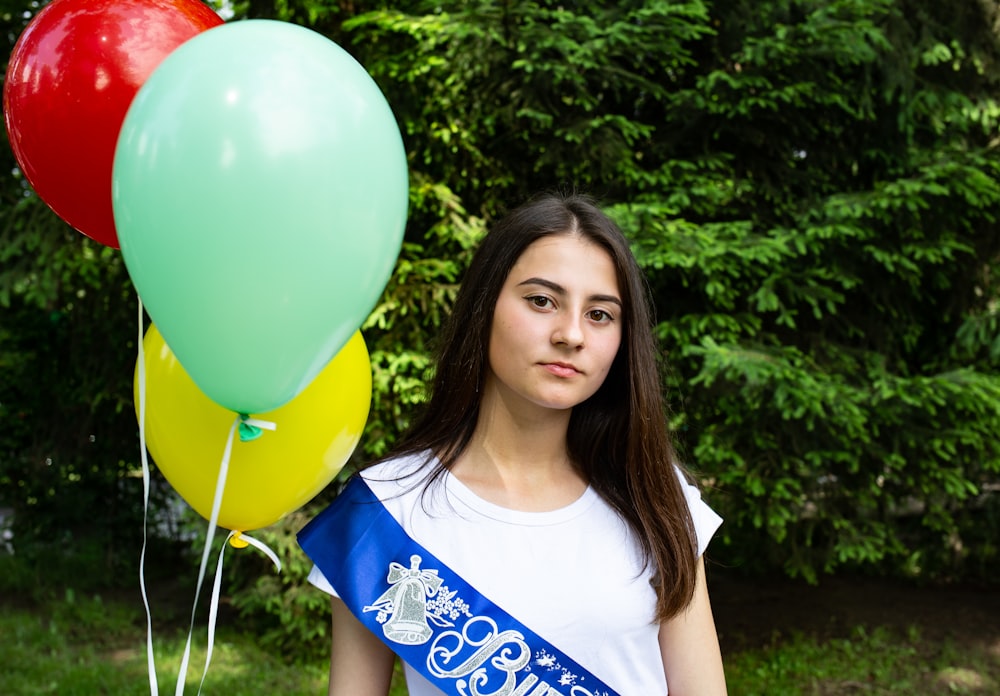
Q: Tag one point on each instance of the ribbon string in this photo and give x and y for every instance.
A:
(220, 487)
(248, 429)
(141, 367)
(251, 428)
(213, 611)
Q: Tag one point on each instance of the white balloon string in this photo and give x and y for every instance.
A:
(263, 548)
(220, 486)
(213, 611)
(262, 424)
(141, 367)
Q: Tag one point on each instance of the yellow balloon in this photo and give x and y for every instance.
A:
(270, 476)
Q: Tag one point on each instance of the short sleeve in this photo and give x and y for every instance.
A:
(706, 520)
(317, 579)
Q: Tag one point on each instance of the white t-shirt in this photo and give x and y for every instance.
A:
(573, 575)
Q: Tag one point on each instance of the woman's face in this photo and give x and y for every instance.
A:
(557, 324)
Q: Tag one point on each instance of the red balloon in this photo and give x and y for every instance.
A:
(71, 77)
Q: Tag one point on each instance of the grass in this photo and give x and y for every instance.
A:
(88, 645)
(83, 647)
(877, 661)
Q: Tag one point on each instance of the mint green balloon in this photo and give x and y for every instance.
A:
(259, 190)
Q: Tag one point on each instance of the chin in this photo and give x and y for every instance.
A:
(559, 404)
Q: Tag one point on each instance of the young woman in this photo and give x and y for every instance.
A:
(542, 474)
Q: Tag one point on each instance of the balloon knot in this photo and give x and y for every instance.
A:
(237, 541)
(248, 431)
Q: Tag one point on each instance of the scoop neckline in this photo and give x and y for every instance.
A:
(484, 507)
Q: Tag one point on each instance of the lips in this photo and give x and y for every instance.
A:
(561, 369)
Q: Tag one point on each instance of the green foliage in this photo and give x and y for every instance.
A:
(829, 401)
(500, 100)
(68, 445)
(69, 442)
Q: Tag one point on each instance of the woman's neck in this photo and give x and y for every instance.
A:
(520, 461)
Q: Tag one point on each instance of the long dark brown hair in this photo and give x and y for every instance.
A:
(618, 437)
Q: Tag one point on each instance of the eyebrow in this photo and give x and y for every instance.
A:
(559, 289)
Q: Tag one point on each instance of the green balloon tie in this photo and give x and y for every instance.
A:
(248, 432)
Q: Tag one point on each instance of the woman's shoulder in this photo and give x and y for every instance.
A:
(396, 474)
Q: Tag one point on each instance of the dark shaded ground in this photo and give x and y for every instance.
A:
(752, 614)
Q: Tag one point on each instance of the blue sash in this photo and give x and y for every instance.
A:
(427, 614)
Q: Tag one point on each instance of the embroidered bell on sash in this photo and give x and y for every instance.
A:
(405, 602)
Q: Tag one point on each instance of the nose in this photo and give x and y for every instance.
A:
(569, 332)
